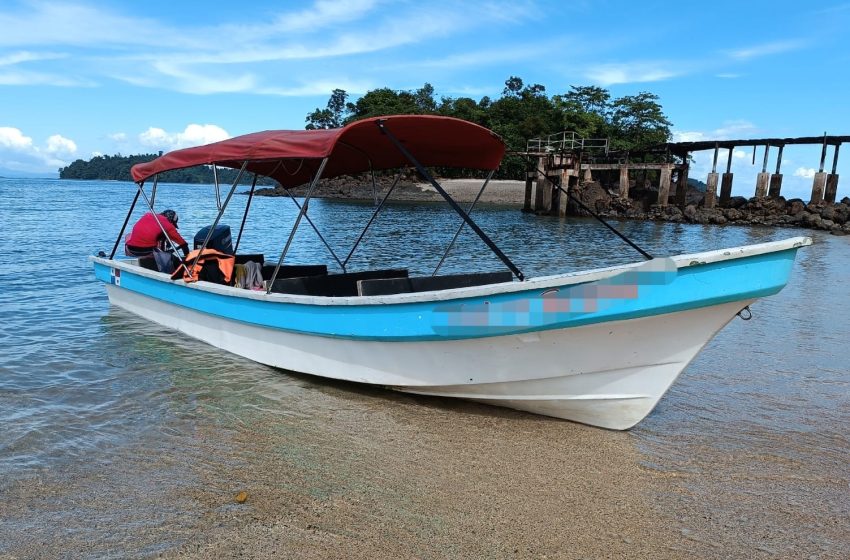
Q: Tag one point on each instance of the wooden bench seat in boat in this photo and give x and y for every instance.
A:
(333, 285)
(387, 286)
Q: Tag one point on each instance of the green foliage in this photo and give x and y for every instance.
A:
(631, 123)
(332, 116)
(117, 168)
(637, 122)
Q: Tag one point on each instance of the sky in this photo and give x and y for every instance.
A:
(81, 78)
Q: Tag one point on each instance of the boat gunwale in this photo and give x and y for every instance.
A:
(541, 282)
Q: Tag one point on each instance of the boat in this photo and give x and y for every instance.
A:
(599, 347)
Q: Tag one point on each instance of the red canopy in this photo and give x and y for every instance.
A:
(291, 157)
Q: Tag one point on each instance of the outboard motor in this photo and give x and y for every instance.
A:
(221, 239)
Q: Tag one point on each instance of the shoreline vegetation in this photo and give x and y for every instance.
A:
(635, 126)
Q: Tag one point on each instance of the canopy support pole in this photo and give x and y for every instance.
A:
(462, 223)
(424, 172)
(153, 190)
(124, 227)
(372, 219)
(297, 221)
(245, 215)
(217, 194)
(374, 184)
(321, 237)
(218, 217)
(161, 227)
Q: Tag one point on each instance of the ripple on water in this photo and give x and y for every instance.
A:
(761, 414)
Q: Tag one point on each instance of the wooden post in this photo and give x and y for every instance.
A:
(819, 182)
(711, 190)
(725, 188)
(762, 180)
(541, 179)
(588, 176)
(664, 185)
(831, 187)
(775, 185)
(776, 178)
(818, 186)
(682, 186)
(624, 181)
(529, 187)
(832, 178)
(567, 176)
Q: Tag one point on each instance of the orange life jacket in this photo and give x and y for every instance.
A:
(224, 261)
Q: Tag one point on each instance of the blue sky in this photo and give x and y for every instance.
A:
(86, 77)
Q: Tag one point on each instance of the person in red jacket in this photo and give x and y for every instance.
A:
(147, 235)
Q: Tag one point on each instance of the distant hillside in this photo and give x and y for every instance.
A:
(697, 184)
(117, 168)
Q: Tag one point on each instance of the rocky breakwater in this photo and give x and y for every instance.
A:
(832, 217)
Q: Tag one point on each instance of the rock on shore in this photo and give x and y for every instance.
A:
(832, 217)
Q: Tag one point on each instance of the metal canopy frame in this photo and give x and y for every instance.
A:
(302, 212)
(428, 177)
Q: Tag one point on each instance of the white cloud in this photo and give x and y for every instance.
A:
(729, 131)
(27, 56)
(805, 172)
(59, 145)
(20, 153)
(628, 73)
(13, 139)
(765, 49)
(117, 136)
(193, 135)
(324, 13)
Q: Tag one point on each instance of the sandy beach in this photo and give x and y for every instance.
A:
(506, 192)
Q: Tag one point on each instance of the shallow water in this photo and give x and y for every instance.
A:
(753, 437)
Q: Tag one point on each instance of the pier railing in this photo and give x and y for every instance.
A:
(565, 141)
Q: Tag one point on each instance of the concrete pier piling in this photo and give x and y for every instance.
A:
(775, 185)
(762, 183)
(776, 178)
(726, 188)
(711, 190)
(624, 181)
(567, 161)
(664, 185)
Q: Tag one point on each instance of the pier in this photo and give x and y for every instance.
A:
(566, 160)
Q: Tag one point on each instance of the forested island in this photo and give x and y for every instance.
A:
(631, 123)
(117, 168)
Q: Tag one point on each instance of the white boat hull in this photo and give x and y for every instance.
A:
(608, 374)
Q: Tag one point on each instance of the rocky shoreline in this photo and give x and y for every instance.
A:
(825, 216)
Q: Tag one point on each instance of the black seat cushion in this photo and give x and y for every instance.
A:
(333, 285)
(249, 257)
(294, 270)
(381, 287)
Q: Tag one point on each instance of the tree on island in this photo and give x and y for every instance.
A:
(631, 123)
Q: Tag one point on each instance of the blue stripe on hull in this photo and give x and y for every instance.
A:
(617, 298)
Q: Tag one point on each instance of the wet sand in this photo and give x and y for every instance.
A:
(363, 474)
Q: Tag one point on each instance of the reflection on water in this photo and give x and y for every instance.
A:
(755, 431)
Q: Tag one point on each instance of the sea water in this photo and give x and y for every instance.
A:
(761, 416)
